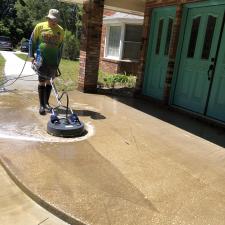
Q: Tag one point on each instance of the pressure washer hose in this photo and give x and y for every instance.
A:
(17, 78)
(58, 98)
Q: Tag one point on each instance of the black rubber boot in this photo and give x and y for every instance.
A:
(41, 92)
(48, 89)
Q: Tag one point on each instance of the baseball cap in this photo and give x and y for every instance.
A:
(53, 14)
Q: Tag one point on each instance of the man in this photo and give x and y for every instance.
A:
(46, 41)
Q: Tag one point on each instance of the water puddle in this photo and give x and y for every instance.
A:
(35, 134)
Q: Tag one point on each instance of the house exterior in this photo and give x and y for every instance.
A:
(182, 61)
(121, 42)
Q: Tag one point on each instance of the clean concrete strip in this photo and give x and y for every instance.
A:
(52, 220)
(17, 208)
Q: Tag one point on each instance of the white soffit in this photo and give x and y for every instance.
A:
(119, 17)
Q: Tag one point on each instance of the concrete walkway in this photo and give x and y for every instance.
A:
(17, 208)
(13, 68)
(141, 165)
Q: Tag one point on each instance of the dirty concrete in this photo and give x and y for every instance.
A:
(142, 164)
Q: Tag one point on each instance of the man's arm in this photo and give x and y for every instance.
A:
(33, 42)
(60, 48)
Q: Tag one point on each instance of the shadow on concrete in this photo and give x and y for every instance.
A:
(88, 113)
(190, 123)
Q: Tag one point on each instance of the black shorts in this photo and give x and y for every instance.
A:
(46, 72)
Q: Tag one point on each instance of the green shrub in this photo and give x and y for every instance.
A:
(71, 48)
(112, 80)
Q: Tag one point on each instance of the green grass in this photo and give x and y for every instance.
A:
(69, 73)
(68, 80)
(23, 56)
(2, 64)
(70, 70)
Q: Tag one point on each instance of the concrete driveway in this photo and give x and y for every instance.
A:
(16, 67)
(15, 206)
(140, 163)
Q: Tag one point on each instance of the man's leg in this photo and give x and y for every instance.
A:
(48, 89)
(51, 75)
(41, 92)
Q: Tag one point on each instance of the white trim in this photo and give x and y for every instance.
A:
(107, 42)
(121, 45)
(123, 20)
(121, 60)
(122, 36)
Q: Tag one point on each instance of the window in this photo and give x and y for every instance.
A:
(113, 49)
(193, 38)
(208, 37)
(132, 42)
(124, 42)
(159, 36)
(168, 36)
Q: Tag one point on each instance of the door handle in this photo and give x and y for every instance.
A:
(211, 68)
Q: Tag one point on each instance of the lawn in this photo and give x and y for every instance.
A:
(2, 63)
(69, 75)
(23, 56)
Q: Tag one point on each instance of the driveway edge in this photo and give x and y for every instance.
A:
(46, 205)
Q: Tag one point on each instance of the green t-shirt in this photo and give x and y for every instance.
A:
(47, 42)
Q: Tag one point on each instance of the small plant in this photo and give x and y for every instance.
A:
(116, 80)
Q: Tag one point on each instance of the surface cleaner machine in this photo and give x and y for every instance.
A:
(63, 121)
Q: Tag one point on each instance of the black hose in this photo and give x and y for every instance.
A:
(17, 78)
(20, 76)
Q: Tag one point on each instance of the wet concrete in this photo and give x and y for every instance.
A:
(135, 168)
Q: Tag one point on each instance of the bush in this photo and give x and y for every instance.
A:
(71, 48)
(112, 80)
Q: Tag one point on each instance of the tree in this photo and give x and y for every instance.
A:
(18, 17)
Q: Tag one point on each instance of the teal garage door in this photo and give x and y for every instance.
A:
(200, 85)
(157, 59)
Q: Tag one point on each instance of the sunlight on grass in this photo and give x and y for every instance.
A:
(2, 64)
(23, 56)
(69, 75)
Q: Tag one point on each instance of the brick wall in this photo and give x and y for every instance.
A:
(173, 46)
(128, 67)
(90, 45)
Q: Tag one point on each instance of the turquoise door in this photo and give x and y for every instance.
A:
(157, 59)
(199, 50)
(216, 105)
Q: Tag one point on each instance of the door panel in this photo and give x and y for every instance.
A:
(199, 47)
(216, 107)
(157, 59)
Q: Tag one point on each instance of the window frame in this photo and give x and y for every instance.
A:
(122, 40)
(107, 41)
